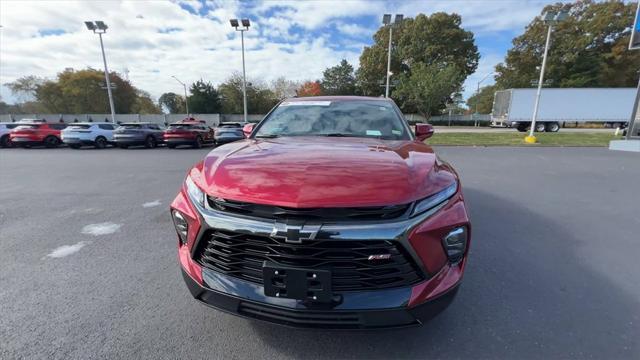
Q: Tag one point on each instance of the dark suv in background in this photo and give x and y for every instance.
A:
(144, 134)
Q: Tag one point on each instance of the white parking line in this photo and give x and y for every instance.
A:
(66, 250)
(105, 228)
(151, 204)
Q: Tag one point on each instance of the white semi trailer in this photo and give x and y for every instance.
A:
(514, 107)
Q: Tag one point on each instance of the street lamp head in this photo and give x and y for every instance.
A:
(90, 25)
(548, 16)
(562, 15)
(101, 25)
(246, 23)
(398, 19)
(386, 19)
(234, 23)
(553, 17)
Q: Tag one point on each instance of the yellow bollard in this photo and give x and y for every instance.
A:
(530, 139)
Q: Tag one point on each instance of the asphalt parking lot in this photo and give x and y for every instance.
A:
(553, 271)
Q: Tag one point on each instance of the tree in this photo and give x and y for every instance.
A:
(484, 100)
(588, 49)
(204, 98)
(436, 39)
(25, 87)
(172, 102)
(144, 104)
(310, 88)
(283, 88)
(427, 87)
(260, 99)
(339, 80)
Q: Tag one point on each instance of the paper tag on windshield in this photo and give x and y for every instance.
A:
(374, 132)
(306, 103)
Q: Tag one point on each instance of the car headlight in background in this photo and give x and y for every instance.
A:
(455, 243)
(181, 225)
(435, 199)
(194, 191)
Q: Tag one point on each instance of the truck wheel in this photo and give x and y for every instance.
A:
(522, 127)
(553, 127)
(540, 127)
(616, 125)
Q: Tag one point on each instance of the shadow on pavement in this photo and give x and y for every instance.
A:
(526, 294)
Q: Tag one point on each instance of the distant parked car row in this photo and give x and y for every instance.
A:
(190, 132)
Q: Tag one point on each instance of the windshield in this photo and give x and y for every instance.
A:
(362, 118)
(79, 126)
(21, 127)
(180, 126)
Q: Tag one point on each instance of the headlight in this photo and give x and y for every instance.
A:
(194, 191)
(181, 225)
(455, 243)
(435, 199)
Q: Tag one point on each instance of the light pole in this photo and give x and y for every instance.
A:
(186, 99)
(550, 18)
(386, 20)
(245, 27)
(99, 27)
(478, 89)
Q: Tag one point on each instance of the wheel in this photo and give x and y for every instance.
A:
(74, 146)
(522, 127)
(51, 141)
(123, 146)
(171, 146)
(198, 143)
(101, 142)
(150, 142)
(5, 142)
(552, 127)
(540, 127)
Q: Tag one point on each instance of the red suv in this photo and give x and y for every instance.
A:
(30, 133)
(331, 214)
(188, 132)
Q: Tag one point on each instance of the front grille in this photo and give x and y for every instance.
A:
(336, 214)
(316, 319)
(242, 256)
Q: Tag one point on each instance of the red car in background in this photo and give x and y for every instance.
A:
(190, 131)
(37, 132)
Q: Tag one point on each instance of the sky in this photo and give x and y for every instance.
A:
(150, 41)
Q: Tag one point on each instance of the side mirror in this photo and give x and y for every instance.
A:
(424, 131)
(247, 130)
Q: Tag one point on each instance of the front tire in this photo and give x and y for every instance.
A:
(5, 142)
(51, 141)
(198, 143)
(100, 142)
(150, 142)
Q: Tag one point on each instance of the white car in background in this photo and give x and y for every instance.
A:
(5, 128)
(96, 134)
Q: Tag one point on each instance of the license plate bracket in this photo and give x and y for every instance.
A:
(296, 283)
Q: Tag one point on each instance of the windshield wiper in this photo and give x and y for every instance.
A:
(338, 135)
(267, 136)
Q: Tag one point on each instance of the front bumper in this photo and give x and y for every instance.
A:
(410, 305)
(363, 312)
(26, 141)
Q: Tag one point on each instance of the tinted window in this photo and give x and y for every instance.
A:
(230, 125)
(58, 126)
(181, 126)
(106, 126)
(131, 126)
(79, 126)
(11, 126)
(362, 118)
(31, 126)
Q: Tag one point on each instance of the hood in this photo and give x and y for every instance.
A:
(305, 172)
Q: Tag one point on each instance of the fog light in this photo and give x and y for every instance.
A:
(181, 225)
(455, 243)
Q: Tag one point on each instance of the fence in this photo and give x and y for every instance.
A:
(451, 120)
(210, 119)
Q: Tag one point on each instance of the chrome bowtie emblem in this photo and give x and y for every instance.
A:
(294, 233)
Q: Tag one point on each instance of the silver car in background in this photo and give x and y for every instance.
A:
(98, 135)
